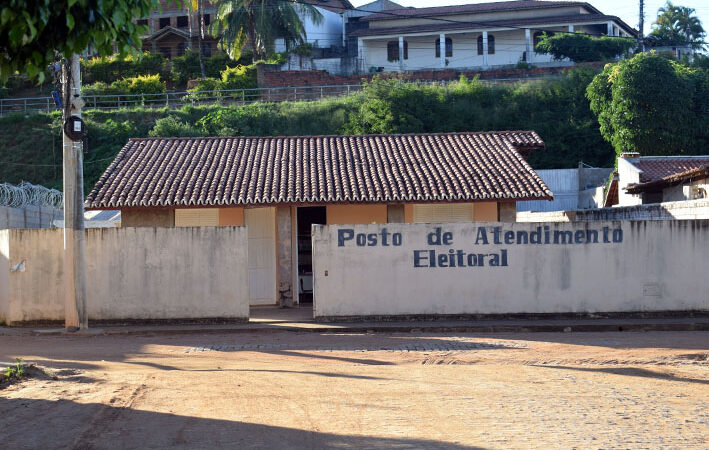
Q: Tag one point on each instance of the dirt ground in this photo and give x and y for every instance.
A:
(409, 390)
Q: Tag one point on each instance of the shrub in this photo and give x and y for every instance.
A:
(112, 68)
(186, 67)
(172, 127)
(145, 84)
(583, 48)
(239, 77)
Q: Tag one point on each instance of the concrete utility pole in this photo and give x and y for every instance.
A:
(75, 312)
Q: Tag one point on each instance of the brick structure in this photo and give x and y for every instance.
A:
(271, 76)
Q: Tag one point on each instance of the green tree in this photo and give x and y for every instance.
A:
(31, 32)
(259, 23)
(651, 105)
(677, 25)
(583, 48)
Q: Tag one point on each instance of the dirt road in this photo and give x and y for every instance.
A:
(305, 390)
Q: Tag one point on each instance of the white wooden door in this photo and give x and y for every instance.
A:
(261, 223)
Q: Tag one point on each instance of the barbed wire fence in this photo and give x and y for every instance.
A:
(28, 194)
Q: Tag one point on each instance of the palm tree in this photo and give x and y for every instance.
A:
(678, 25)
(197, 6)
(259, 23)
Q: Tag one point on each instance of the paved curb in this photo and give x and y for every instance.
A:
(414, 327)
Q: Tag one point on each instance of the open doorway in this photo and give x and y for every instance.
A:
(306, 217)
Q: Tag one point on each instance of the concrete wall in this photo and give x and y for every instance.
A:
(686, 210)
(4, 275)
(342, 214)
(147, 217)
(633, 266)
(132, 273)
(29, 217)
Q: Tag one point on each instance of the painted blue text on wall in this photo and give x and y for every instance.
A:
(483, 236)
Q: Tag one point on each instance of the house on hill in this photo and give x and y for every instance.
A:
(656, 179)
(476, 36)
(280, 186)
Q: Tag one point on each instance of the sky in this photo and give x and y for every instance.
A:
(625, 9)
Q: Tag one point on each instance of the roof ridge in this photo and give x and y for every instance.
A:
(444, 133)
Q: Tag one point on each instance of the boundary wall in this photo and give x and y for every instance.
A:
(132, 273)
(510, 268)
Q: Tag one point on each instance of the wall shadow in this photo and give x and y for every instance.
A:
(31, 423)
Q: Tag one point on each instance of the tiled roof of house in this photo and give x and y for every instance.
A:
(657, 167)
(170, 172)
(669, 180)
(531, 22)
(477, 8)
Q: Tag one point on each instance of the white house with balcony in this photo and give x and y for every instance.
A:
(478, 36)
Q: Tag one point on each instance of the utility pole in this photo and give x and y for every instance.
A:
(641, 25)
(76, 316)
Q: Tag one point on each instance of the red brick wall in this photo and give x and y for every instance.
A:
(271, 76)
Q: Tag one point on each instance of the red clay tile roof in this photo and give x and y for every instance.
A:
(673, 179)
(657, 167)
(530, 22)
(477, 8)
(450, 167)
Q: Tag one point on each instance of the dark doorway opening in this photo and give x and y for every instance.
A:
(306, 217)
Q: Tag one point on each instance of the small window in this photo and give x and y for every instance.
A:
(182, 22)
(207, 19)
(164, 22)
(166, 52)
(181, 48)
(143, 22)
(490, 45)
(449, 47)
(393, 50)
(206, 49)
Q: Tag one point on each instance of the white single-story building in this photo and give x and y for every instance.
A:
(477, 36)
(280, 186)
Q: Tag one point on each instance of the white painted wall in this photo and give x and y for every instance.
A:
(323, 35)
(657, 266)
(628, 174)
(4, 274)
(133, 273)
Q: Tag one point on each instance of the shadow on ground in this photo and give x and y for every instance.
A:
(630, 371)
(30, 423)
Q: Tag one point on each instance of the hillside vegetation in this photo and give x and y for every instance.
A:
(557, 109)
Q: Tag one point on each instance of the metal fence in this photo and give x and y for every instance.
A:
(179, 99)
(235, 96)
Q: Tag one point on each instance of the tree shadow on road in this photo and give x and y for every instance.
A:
(31, 423)
(630, 371)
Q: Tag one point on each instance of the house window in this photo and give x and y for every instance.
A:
(449, 47)
(166, 52)
(207, 19)
(164, 22)
(182, 22)
(393, 50)
(181, 48)
(537, 37)
(490, 44)
(143, 22)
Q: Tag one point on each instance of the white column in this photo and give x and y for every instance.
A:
(610, 29)
(571, 28)
(360, 54)
(484, 48)
(344, 28)
(401, 53)
(528, 44)
(442, 48)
